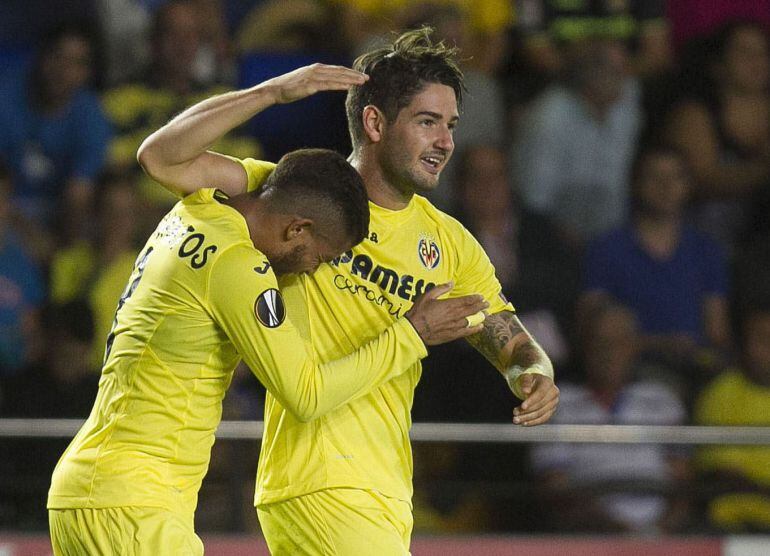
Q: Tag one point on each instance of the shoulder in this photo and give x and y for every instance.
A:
(725, 384)
(257, 171)
(443, 221)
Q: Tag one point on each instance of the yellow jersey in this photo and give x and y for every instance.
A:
(731, 399)
(200, 298)
(365, 444)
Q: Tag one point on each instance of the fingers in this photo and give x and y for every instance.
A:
(439, 290)
(536, 417)
(540, 405)
(337, 77)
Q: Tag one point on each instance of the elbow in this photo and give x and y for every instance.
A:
(146, 158)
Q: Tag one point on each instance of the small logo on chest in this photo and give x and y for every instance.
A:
(428, 252)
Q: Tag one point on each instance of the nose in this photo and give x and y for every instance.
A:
(444, 140)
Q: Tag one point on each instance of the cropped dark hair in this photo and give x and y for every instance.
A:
(399, 71)
(320, 184)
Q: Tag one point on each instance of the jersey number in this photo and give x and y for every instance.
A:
(141, 262)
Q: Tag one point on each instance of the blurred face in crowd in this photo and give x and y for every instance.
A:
(414, 148)
(66, 68)
(600, 70)
(177, 37)
(757, 347)
(484, 190)
(612, 346)
(662, 184)
(745, 63)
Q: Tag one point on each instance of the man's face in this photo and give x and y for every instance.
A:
(663, 184)
(305, 253)
(417, 145)
(67, 68)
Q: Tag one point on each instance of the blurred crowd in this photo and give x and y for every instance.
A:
(613, 158)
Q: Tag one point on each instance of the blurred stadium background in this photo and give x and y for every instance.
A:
(614, 160)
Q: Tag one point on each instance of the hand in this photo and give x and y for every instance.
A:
(541, 396)
(442, 320)
(309, 80)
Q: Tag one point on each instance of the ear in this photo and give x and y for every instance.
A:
(298, 228)
(374, 122)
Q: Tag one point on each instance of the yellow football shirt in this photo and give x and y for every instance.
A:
(365, 444)
(733, 400)
(200, 297)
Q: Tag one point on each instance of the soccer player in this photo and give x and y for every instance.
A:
(342, 484)
(203, 294)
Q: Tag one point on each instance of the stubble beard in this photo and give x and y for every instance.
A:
(288, 262)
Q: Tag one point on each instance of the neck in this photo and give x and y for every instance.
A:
(658, 224)
(379, 189)
(254, 213)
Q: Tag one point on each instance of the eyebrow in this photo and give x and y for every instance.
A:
(435, 115)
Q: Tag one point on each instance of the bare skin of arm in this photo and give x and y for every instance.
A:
(177, 155)
(511, 349)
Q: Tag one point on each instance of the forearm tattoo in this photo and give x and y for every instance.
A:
(499, 329)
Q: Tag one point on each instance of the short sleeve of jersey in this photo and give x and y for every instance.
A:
(475, 273)
(257, 171)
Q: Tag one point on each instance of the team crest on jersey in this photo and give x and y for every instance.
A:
(428, 252)
(270, 309)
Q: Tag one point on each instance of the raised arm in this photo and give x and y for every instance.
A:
(177, 155)
(525, 366)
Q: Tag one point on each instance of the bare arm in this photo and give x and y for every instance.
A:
(511, 349)
(177, 155)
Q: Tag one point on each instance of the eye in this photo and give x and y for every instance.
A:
(427, 122)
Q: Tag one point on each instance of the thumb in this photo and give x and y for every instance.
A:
(526, 384)
(440, 290)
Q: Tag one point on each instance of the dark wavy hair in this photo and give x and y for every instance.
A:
(399, 71)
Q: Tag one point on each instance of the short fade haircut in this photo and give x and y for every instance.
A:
(399, 71)
(321, 185)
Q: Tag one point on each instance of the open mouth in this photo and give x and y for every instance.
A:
(432, 163)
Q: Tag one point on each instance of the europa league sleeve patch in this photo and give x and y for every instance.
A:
(270, 309)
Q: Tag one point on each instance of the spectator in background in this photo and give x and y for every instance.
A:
(486, 21)
(169, 85)
(724, 131)
(52, 131)
(124, 25)
(574, 148)
(551, 26)
(98, 270)
(62, 384)
(693, 19)
(672, 277)
(22, 290)
(738, 477)
(538, 273)
(612, 487)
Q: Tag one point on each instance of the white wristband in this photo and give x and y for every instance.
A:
(513, 372)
